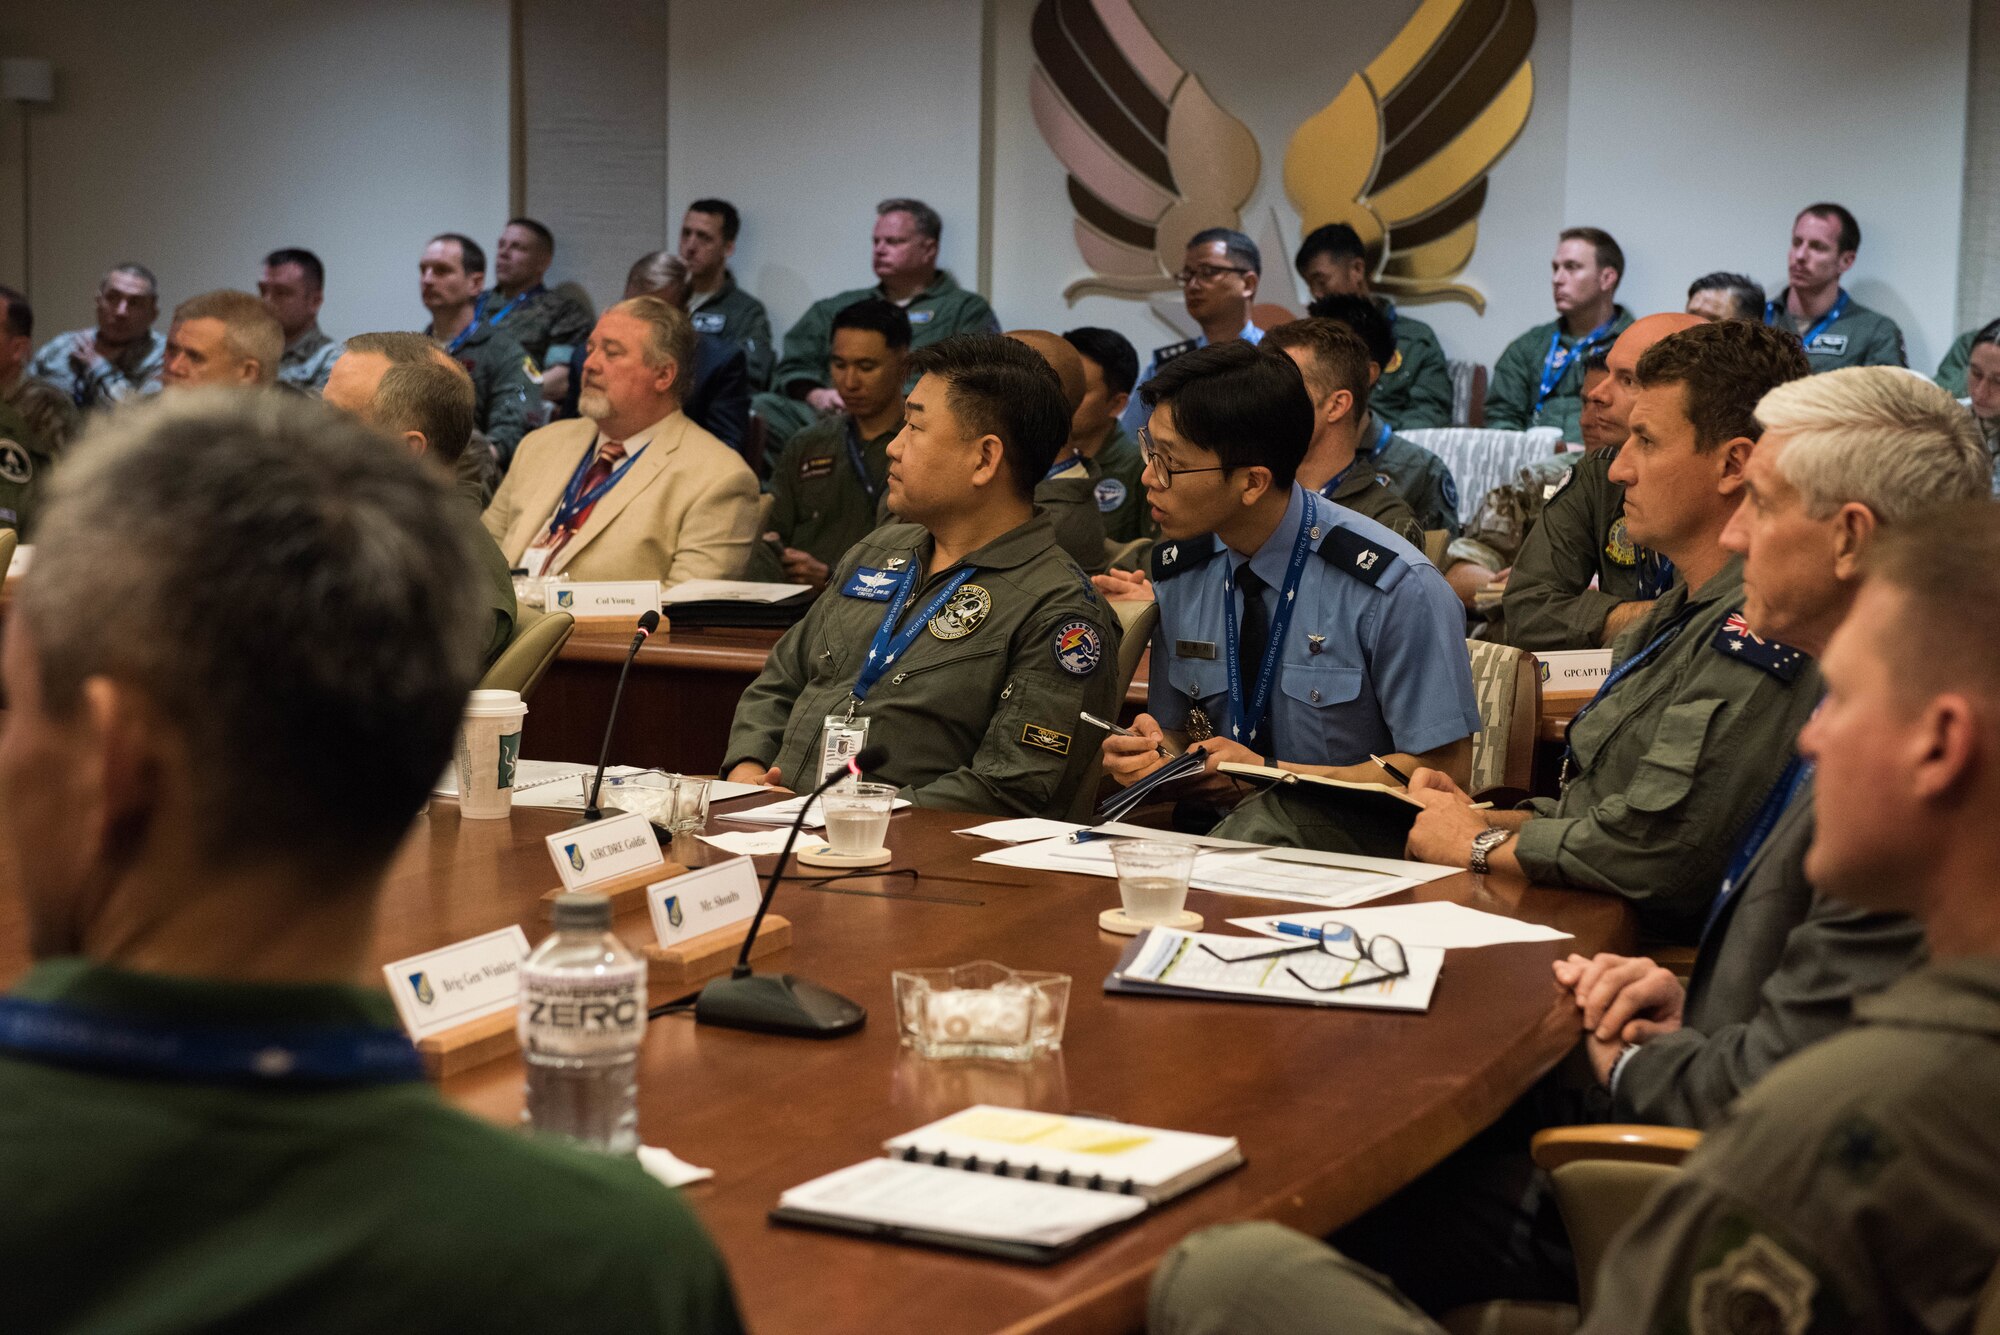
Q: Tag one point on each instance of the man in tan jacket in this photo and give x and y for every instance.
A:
(632, 489)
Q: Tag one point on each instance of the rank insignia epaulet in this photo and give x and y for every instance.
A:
(1346, 550)
(1181, 556)
(1734, 639)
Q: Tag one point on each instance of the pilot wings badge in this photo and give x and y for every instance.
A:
(1400, 154)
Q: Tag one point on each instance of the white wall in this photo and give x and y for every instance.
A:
(1764, 108)
(197, 137)
(805, 114)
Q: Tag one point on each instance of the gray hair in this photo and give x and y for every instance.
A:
(923, 215)
(137, 270)
(669, 335)
(1879, 435)
(294, 597)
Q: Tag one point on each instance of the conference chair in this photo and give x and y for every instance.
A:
(9, 540)
(1468, 393)
(1510, 716)
(1481, 460)
(538, 638)
(1136, 621)
(1602, 1175)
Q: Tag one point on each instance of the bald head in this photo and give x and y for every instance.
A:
(1613, 394)
(1059, 354)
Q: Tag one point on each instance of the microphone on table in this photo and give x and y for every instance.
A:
(649, 621)
(782, 1003)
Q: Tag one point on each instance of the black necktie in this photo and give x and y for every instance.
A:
(1256, 632)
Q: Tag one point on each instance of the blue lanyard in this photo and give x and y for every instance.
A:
(859, 460)
(1060, 466)
(1559, 357)
(1333, 484)
(53, 1032)
(1772, 310)
(572, 504)
(1775, 804)
(1243, 724)
(479, 311)
(1619, 673)
(888, 645)
(1656, 574)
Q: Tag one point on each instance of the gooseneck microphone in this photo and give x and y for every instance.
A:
(783, 1003)
(649, 621)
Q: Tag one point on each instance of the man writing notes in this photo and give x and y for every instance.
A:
(632, 489)
(207, 1125)
(1696, 721)
(963, 634)
(1538, 380)
(1293, 632)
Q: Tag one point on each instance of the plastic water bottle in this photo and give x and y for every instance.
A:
(582, 1016)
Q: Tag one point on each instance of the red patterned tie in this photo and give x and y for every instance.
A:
(608, 454)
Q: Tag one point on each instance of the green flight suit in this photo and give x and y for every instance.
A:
(1860, 337)
(1850, 1193)
(1550, 602)
(496, 578)
(1951, 371)
(1671, 762)
(24, 471)
(818, 505)
(1424, 480)
(936, 313)
(1414, 392)
(547, 324)
(186, 1203)
(732, 314)
(1070, 499)
(52, 416)
(1121, 494)
(1371, 493)
(503, 385)
(1517, 379)
(985, 720)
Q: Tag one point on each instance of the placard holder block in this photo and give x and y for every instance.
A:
(468, 1045)
(713, 954)
(628, 892)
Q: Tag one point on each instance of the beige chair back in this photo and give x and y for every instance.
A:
(1503, 679)
(9, 540)
(1136, 621)
(538, 638)
(1598, 1197)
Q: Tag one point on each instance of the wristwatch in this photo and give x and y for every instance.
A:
(1484, 843)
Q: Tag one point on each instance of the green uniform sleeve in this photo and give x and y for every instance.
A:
(1071, 504)
(807, 347)
(973, 316)
(765, 709)
(1951, 371)
(1427, 387)
(1885, 345)
(1018, 767)
(755, 336)
(1510, 394)
(1436, 502)
(506, 394)
(1549, 603)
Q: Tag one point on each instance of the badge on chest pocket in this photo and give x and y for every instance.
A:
(962, 615)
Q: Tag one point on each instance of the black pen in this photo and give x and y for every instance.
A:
(1117, 731)
(1391, 770)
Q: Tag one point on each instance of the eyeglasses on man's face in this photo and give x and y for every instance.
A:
(1205, 273)
(1160, 466)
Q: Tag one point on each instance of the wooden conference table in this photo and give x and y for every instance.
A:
(1335, 1109)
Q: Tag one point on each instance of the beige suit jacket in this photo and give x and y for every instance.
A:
(686, 510)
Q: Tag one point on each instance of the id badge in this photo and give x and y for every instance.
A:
(840, 741)
(536, 561)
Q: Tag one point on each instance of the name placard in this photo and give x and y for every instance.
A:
(1573, 671)
(599, 850)
(604, 598)
(703, 900)
(442, 989)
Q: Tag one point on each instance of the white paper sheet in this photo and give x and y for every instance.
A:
(1246, 870)
(728, 590)
(752, 843)
(670, 1168)
(1444, 925)
(1023, 830)
(951, 1200)
(1178, 959)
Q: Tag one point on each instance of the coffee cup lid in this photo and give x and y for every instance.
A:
(495, 703)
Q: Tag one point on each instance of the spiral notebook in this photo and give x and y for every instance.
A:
(1024, 1186)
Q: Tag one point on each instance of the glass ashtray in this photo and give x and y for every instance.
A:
(981, 1009)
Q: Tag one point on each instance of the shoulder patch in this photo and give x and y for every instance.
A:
(1175, 558)
(1110, 493)
(1449, 486)
(1556, 488)
(1757, 1287)
(1734, 639)
(1161, 356)
(1346, 550)
(15, 465)
(1078, 648)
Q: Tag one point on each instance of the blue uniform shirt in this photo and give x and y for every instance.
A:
(1374, 659)
(1137, 414)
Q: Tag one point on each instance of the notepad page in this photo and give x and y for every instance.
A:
(951, 1200)
(1083, 1147)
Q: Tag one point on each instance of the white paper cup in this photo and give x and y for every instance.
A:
(489, 747)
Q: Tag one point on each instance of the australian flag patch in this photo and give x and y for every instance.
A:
(1735, 639)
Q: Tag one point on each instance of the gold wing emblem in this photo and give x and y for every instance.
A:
(1401, 155)
(1151, 158)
